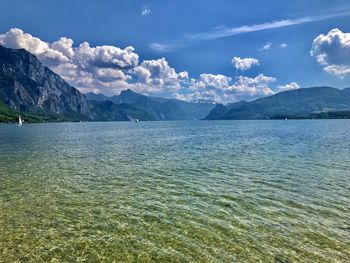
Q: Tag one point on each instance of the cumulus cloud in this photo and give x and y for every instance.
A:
(333, 52)
(106, 69)
(223, 89)
(217, 81)
(65, 46)
(16, 38)
(290, 86)
(110, 69)
(252, 88)
(157, 74)
(103, 68)
(105, 56)
(244, 63)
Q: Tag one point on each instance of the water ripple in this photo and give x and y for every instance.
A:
(225, 191)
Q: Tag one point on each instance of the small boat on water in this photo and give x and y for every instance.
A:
(131, 119)
(20, 122)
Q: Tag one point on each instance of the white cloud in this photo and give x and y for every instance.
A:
(110, 69)
(145, 11)
(62, 51)
(101, 68)
(65, 46)
(338, 70)
(290, 86)
(251, 88)
(220, 88)
(244, 63)
(283, 45)
(16, 38)
(267, 46)
(160, 47)
(333, 52)
(223, 31)
(105, 56)
(106, 69)
(211, 81)
(158, 76)
(110, 74)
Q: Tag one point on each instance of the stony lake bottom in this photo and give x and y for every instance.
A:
(195, 191)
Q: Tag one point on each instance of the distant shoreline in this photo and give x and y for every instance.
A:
(123, 121)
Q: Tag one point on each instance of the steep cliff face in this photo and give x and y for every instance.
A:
(28, 86)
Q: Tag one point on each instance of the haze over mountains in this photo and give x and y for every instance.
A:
(32, 90)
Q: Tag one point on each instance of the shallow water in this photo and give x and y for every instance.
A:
(216, 191)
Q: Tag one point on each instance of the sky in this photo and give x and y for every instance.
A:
(224, 51)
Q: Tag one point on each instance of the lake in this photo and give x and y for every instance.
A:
(196, 191)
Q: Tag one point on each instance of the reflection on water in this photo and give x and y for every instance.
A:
(223, 191)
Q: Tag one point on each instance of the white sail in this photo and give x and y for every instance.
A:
(19, 121)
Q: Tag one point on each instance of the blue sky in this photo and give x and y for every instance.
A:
(197, 37)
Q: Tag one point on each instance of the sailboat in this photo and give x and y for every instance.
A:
(20, 122)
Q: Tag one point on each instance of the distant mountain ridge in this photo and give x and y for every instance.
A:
(299, 103)
(159, 108)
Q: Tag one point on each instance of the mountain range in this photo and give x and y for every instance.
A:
(297, 104)
(159, 108)
(30, 89)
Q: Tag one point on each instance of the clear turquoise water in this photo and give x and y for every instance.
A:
(225, 191)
